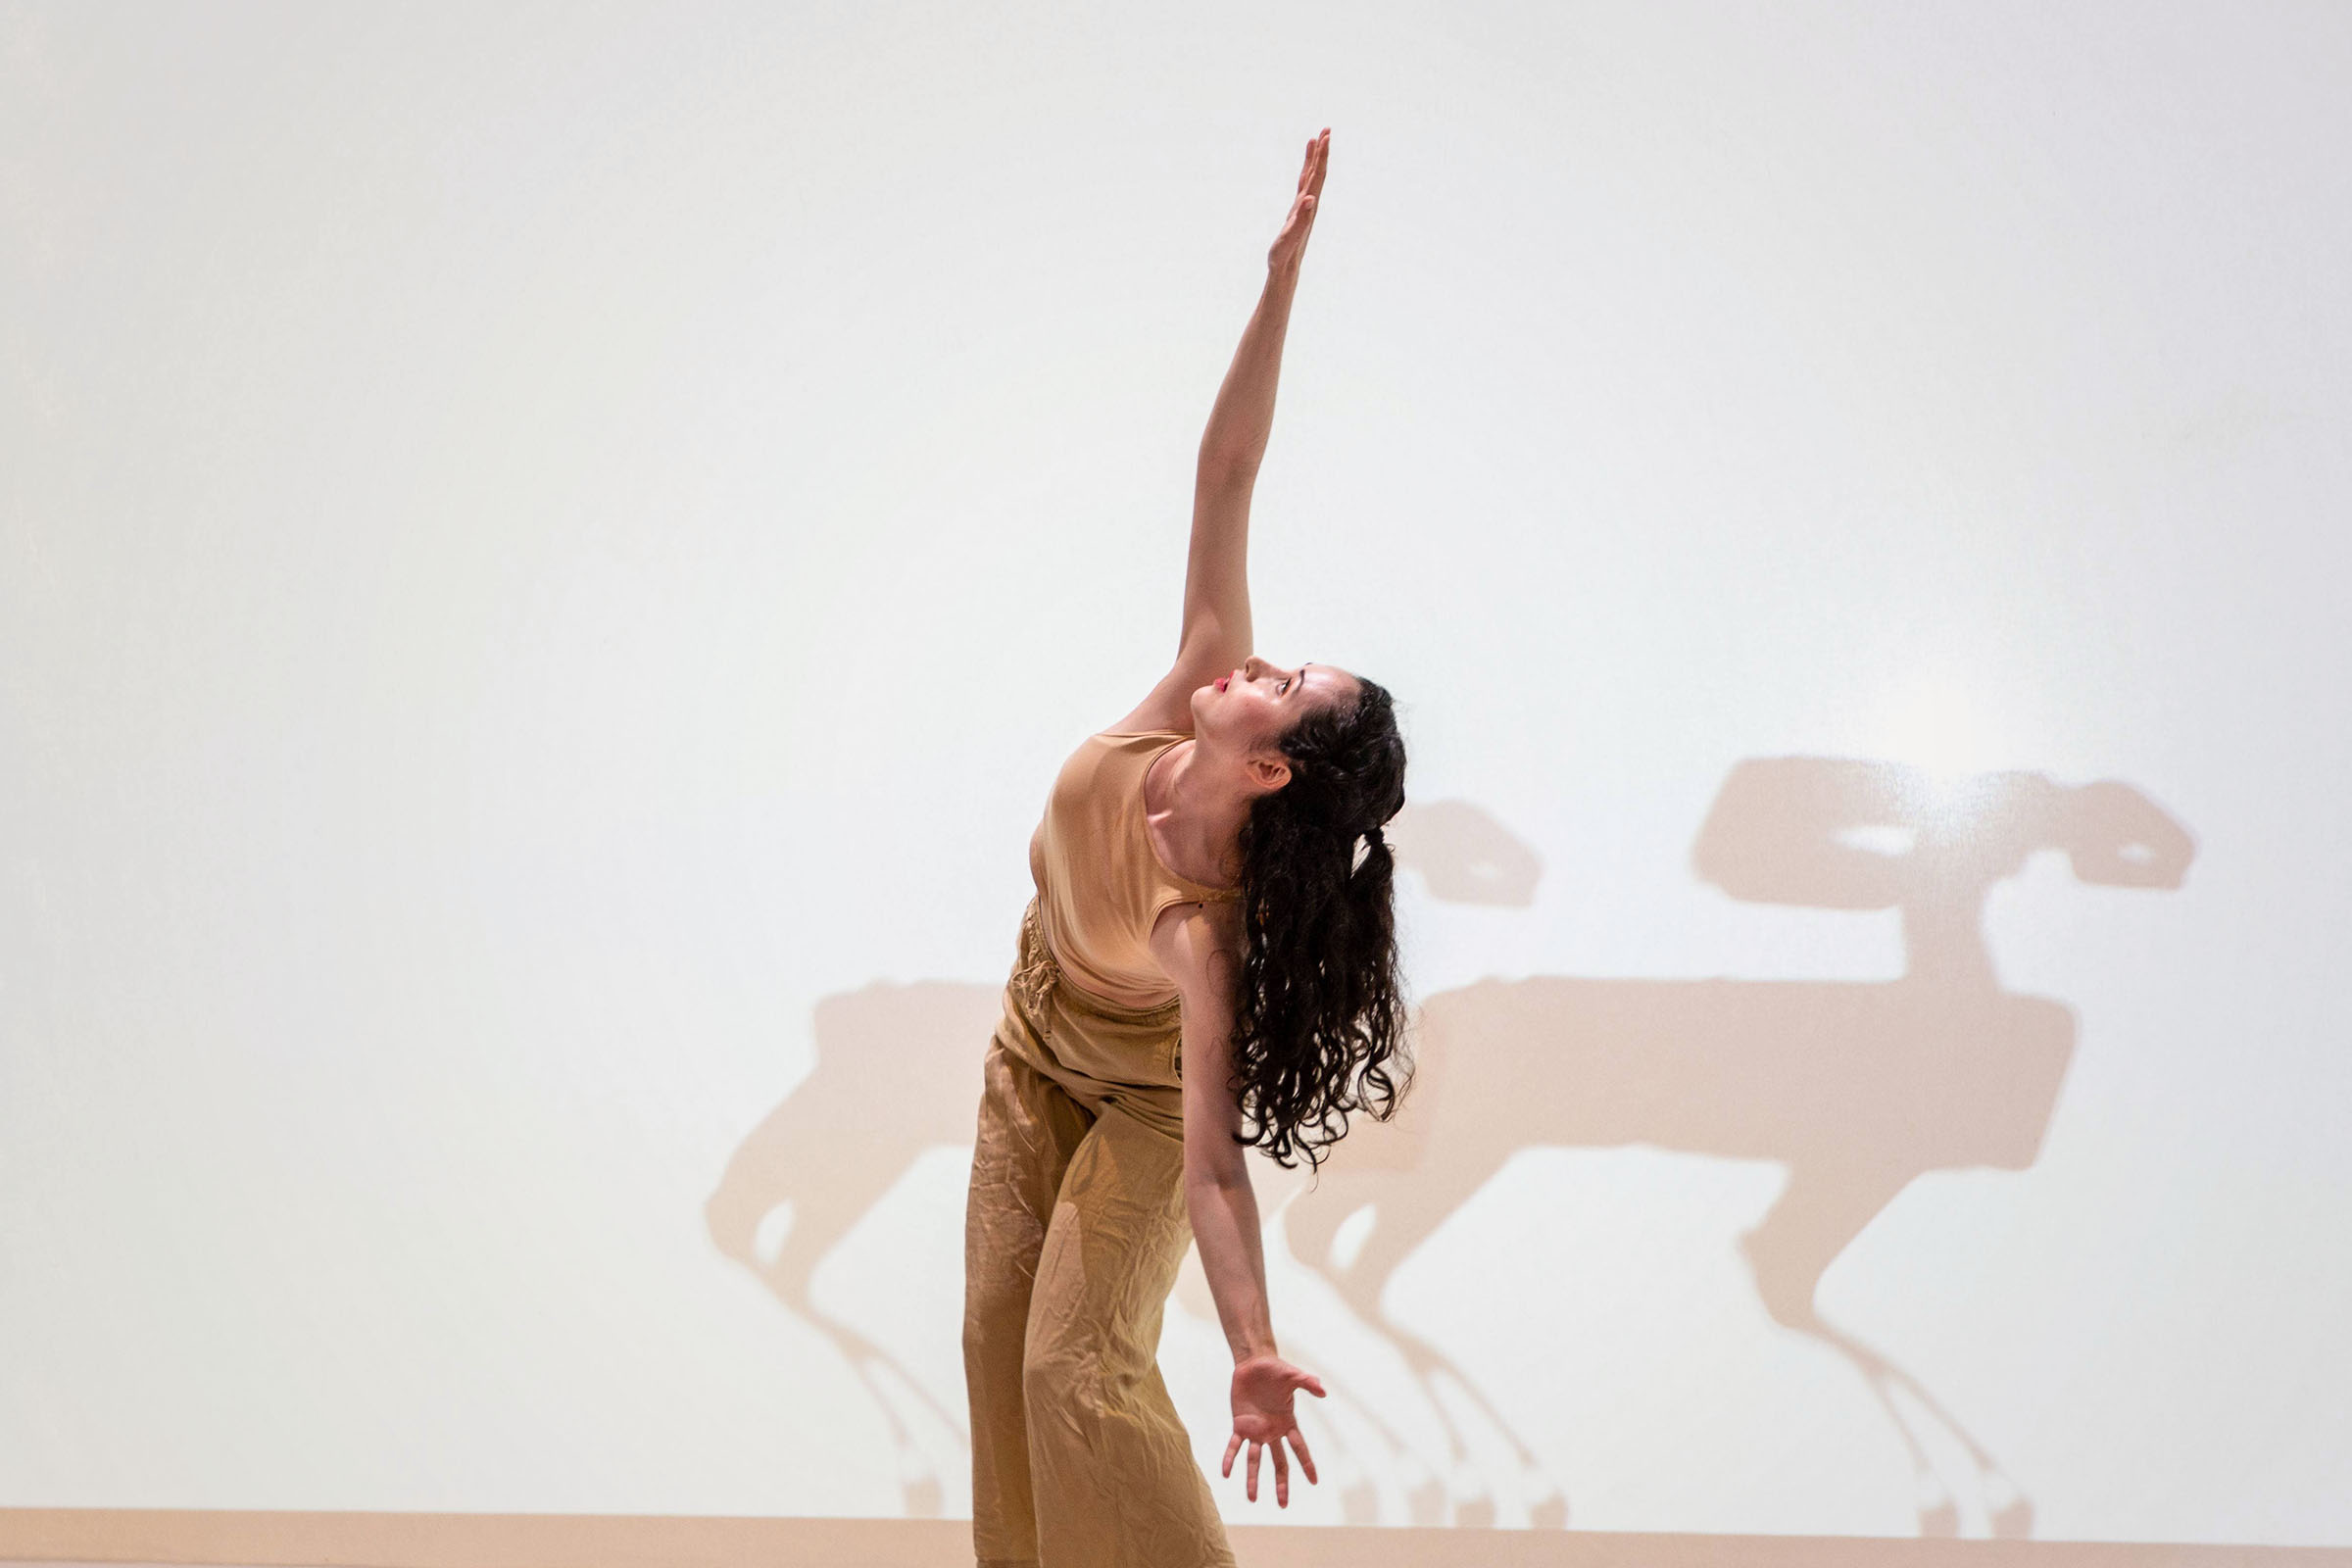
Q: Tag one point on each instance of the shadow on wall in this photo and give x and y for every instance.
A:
(1855, 1088)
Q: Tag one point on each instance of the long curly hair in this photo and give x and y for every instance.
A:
(1318, 1029)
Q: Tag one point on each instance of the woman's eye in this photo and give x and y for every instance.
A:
(1284, 687)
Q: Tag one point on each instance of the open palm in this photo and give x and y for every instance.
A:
(1263, 1417)
(1290, 244)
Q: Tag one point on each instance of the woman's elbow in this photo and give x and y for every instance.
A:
(1212, 1172)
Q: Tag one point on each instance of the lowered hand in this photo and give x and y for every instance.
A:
(1263, 1417)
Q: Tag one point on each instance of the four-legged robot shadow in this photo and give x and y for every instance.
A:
(1855, 1088)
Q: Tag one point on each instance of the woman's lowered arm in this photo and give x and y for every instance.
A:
(1200, 952)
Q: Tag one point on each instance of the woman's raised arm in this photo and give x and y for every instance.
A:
(1217, 632)
(1216, 578)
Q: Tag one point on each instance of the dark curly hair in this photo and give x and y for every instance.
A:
(1318, 1029)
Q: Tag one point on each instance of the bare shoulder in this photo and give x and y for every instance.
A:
(1169, 707)
(1202, 659)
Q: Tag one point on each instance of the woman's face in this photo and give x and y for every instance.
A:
(1249, 708)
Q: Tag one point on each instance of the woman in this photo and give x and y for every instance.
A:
(1210, 964)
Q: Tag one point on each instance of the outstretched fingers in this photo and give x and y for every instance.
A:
(1306, 1461)
(1291, 243)
(1312, 171)
(1259, 1448)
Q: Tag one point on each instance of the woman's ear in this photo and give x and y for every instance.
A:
(1269, 771)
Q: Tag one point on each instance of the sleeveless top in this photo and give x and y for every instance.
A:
(1100, 885)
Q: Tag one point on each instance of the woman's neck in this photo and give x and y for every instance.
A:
(1196, 810)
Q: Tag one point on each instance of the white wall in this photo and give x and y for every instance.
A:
(536, 549)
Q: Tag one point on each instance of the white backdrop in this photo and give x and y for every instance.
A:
(539, 550)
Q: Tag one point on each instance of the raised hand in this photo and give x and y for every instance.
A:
(1263, 1417)
(1290, 244)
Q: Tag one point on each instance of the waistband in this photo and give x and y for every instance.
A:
(1102, 1054)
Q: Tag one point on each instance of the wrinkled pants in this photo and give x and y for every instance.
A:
(1074, 1228)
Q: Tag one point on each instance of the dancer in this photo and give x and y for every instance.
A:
(1210, 964)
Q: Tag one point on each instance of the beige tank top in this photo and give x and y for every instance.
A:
(1100, 885)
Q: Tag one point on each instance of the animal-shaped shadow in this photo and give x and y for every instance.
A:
(898, 1073)
(1857, 1088)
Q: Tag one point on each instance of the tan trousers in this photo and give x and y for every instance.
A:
(1073, 1231)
